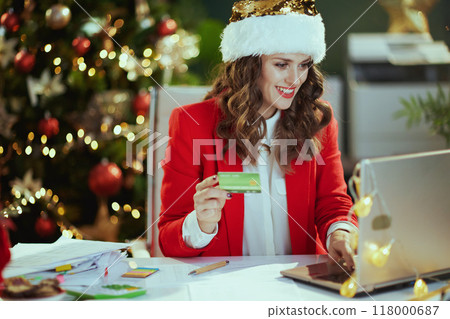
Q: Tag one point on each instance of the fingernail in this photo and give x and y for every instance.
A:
(214, 177)
(229, 195)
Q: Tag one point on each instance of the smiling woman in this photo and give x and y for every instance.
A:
(282, 75)
(262, 110)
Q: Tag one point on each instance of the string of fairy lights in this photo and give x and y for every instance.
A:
(170, 52)
(375, 253)
(23, 197)
(40, 142)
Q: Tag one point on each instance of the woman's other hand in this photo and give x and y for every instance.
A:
(208, 203)
(340, 247)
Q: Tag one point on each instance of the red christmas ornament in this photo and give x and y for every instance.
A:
(24, 61)
(141, 103)
(10, 21)
(81, 45)
(167, 27)
(48, 126)
(105, 179)
(44, 226)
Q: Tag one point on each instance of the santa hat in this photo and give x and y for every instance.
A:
(274, 26)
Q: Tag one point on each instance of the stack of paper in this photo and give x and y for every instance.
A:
(28, 258)
(82, 263)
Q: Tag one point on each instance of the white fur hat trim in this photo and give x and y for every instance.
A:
(271, 34)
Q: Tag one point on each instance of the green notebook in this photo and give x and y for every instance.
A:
(107, 292)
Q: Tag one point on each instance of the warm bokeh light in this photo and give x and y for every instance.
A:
(45, 151)
(131, 136)
(114, 219)
(94, 145)
(91, 72)
(140, 119)
(148, 52)
(117, 129)
(80, 133)
(135, 213)
(115, 206)
(61, 211)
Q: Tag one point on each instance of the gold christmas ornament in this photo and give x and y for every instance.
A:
(58, 16)
(348, 288)
(420, 288)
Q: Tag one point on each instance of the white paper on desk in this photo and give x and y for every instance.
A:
(26, 258)
(85, 277)
(254, 283)
(111, 260)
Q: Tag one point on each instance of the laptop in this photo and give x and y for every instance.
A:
(411, 210)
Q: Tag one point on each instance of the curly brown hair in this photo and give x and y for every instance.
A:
(240, 98)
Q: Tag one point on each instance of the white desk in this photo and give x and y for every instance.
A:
(243, 279)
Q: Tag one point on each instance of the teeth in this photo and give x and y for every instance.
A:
(287, 91)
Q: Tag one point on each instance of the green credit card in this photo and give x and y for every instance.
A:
(237, 182)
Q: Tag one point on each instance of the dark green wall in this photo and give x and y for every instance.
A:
(339, 15)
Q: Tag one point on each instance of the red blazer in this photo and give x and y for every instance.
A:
(316, 194)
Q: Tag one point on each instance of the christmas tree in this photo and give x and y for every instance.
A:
(73, 91)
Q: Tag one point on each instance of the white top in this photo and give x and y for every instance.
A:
(266, 228)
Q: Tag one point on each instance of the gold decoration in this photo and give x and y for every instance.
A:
(408, 15)
(173, 50)
(363, 206)
(143, 14)
(245, 9)
(46, 86)
(377, 256)
(7, 50)
(103, 228)
(58, 16)
(349, 287)
(28, 7)
(420, 288)
(26, 187)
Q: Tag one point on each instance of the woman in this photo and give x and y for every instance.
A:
(263, 115)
